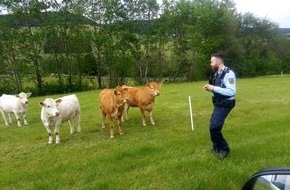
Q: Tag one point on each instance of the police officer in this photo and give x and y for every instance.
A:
(223, 87)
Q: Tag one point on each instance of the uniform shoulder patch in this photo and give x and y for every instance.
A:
(231, 80)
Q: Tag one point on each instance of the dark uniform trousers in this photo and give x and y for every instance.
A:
(216, 124)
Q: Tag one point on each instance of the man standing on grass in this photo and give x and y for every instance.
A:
(223, 87)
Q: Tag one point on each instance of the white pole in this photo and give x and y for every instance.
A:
(190, 113)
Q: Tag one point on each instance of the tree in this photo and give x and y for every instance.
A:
(118, 39)
(33, 41)
(29, 40)
(257, 36)
(10, 51)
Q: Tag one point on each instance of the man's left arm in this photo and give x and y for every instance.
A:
(229, 81)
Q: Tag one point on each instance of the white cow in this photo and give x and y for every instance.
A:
(55, 112)
(16, 104)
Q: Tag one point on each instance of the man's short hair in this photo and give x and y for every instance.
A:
(218, 55)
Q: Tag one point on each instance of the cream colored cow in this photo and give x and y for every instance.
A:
(16, 104)
(55, 112)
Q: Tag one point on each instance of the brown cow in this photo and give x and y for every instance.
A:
(143, 98)
(112, 106)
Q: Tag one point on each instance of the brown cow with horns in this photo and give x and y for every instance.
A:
(143, 98)
(112, 106)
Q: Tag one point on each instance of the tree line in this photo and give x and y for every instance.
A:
(50, 46)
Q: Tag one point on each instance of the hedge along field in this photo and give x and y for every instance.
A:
(166, 156)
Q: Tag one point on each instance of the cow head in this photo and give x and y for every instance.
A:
(154, 87)
(23, 97)
(49, 107)
(120, 93)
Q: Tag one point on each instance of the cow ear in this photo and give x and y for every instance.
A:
(42, 104)
(115, 92)
(17, 95)
(160, 84)
(28, 94)
(58, 101)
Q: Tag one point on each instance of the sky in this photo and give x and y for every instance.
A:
(277, 11)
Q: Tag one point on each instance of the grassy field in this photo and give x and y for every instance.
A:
(166, 156)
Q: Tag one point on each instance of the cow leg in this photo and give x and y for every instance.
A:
(119, 125)
(49, 134)
(56, 132)
(103, 119)
(18, 119)
(151, 117)
(4, 117)
(79, 122)
(24, 118)
(122, 118)
(143, 116)
(71, 126)
(111, 126)
(126, 111)
(9, 118)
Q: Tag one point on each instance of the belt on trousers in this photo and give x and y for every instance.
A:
(223, 102)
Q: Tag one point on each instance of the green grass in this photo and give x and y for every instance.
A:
(166, 156)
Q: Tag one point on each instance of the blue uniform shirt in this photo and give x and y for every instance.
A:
(229, 84)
